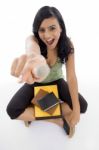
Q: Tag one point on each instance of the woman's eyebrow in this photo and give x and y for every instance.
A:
(52, 26)
(48, 26)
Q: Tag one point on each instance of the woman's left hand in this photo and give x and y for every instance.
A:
(74, 117)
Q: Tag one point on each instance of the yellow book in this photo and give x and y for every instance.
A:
(39, 113)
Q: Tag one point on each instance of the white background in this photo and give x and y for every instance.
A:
(82, 24)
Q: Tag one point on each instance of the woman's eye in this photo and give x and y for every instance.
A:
(52, 28)
(41, 30)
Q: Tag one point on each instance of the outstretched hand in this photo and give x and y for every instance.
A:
(22, 68)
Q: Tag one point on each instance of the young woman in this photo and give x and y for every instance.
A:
(49, 34)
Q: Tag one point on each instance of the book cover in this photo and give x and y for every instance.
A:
(48, 101)
(41, 93)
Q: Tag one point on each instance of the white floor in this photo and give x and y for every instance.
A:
(42, 135)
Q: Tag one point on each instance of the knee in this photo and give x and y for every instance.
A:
(10, 111)
(84, 107)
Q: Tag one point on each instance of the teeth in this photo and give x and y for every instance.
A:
(50, 41)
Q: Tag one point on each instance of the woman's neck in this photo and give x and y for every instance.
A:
(51, 53)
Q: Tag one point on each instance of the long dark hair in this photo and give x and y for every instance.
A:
(64, 44)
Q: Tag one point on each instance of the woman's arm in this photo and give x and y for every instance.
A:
(30, 67)
(31, 46)
(72, 81)
(73, 88)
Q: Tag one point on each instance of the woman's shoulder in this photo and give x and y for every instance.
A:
(70, 43)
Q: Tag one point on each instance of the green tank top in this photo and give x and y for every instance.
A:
(55, 72)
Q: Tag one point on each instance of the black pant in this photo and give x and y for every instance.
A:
(22, 99)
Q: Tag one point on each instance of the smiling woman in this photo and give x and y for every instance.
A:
(49, 32)
(49, 35)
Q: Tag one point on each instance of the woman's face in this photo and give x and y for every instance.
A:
(49, 32)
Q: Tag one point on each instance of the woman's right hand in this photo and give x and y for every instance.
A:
(22, 68)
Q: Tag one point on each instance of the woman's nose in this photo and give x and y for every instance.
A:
(47, 34)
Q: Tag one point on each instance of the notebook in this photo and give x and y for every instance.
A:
(48, 101)
(54, 112)
(41, 93)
